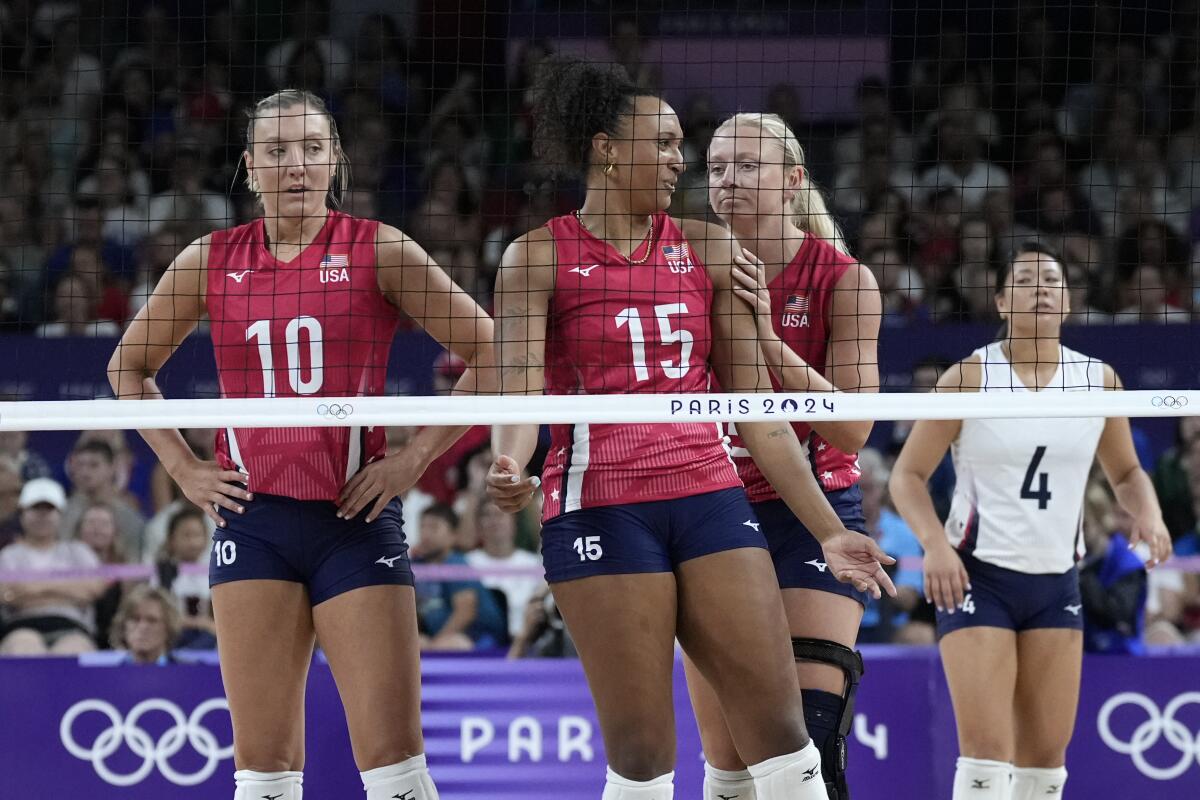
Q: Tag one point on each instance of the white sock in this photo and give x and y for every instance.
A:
(618, 788)
(409, 780)
(723, 784)
(1029, 783)
(795, 776)
(251, 785)
(980, 779)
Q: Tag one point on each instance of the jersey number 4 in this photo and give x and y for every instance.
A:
(1042, 495)
(637, 337)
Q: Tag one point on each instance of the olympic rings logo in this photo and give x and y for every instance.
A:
(335, 410)
(1169, 401)
(1157, 725)
(153, 753)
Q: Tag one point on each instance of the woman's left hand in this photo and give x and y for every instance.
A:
(750, 283)
(381, 481)
(1153, 532)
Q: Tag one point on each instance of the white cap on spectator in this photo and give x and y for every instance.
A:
(43, 490)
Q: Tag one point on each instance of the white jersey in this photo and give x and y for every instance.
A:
(1018, 500)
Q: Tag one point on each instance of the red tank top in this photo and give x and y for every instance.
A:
(619, 328)
(801, 298)
(316, 325)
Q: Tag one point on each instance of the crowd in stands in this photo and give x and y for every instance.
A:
(113, 157)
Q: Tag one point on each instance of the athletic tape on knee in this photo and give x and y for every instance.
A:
(795, 776)
(252, 785)
(1031, 782)
(618, 788)
(408, 779)
(724, 784)
(980, 779)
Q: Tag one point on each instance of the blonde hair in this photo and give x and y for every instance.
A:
(290, 98)
(129, 604)
(809, 210)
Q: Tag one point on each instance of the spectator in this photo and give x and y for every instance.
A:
(308, 24)
(44, 617)
(20, 248)
(188, 537)
(77, 299)
(941, 484)
(1079, 289)
(453, 614)
(627, 48)
(543, 633)
(1112, 579)
(93, 471)
(97, 529)
(902, 288)
(154, 254)
(878, 130)
(969, 292)
(1172, 474)
(146, 626)
(891, 617)
(14, 445)
(87, 233)
(10, 495)
(960, 163)
(122, 202)
(448, 214)
(1145, 293)
(187, 201)
(498, 536)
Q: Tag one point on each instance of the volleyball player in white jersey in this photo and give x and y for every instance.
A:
(1002, 570)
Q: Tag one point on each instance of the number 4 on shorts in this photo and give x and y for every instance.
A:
(588, 548)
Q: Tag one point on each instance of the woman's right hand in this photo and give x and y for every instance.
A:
(505, 487)
(946, 581)
(211, 487)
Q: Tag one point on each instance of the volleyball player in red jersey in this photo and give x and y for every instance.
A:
(818, 313)
(309, 545)
(647, 532)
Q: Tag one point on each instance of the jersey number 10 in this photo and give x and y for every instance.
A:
(261, 332)
(1042, 495)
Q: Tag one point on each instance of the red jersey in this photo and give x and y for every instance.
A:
(619, 328)
(801, 299)
(315, 325)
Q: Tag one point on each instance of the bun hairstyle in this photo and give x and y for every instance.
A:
(574, 100)
(1004, 275)
(286, 99)
(809, 209)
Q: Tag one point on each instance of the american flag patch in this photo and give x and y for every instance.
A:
(338, 261)
(679, 251)
(796, 304)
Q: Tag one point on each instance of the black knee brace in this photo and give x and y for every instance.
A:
(833, 755)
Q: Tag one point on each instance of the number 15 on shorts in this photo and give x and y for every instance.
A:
(589, 548)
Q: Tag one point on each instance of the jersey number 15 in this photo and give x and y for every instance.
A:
(637, 338)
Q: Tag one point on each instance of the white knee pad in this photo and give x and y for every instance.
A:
(251, 785)
(795, 776)
(408, 780)
(980, 779)
(1044, 784)
(618, 788)
(723, 784)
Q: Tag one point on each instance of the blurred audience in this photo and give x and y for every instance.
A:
(146, 626)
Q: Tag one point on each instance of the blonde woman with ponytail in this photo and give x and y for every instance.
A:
(817, 312)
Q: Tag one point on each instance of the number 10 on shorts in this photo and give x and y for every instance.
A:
(226, 552)
(588, 548)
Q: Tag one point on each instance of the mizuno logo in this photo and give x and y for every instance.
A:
(389, 562)
(1054, 788)
(1073, 609)
(584, 271)
(272, 796)
(977, 783)
(820, 565)
(809, 774)
(752, 524)
(406, 796)
(238, 276)
(728, 796)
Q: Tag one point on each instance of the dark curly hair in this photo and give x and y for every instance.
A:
(575, 100)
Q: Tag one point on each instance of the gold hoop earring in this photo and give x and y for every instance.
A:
(609, 167)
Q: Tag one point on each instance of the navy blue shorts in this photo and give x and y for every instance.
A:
(284, 539)
(1018, 601)
(799, 561)
(656, 536)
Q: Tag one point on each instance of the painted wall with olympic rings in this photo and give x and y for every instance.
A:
(506, 730)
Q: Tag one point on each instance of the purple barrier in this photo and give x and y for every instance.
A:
(506, 730)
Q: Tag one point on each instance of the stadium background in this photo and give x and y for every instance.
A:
(121, 126)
